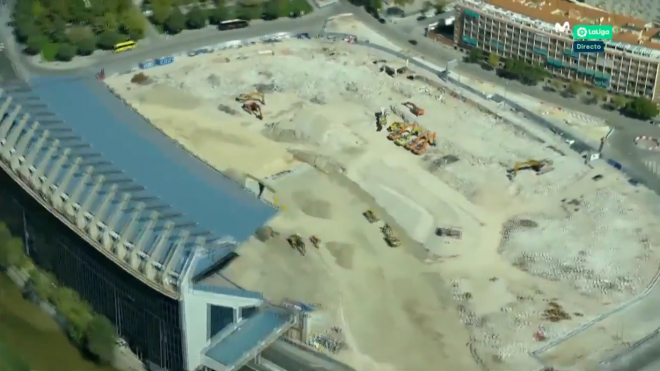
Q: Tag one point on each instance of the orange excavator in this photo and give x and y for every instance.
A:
(253, 108)
(406, 129)
(421, 138)
(423, 145)
(416, 110)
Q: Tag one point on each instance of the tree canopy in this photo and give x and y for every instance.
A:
(522, 71)
(641, 108)
(74, 26)
(100, 338)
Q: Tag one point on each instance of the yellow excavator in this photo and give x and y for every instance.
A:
(406, 129)
(255, 95)
(539, 166)
(409, 136)
(396, 126)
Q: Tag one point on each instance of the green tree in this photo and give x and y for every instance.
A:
(86, 46)
(133, 24)
(196, 18)
(79, 33)
(641, 108)
(176, 22)
(575, 88)
(618, 101)
(475, 55)
(44, 284)
(161, 13)
(100, 338)
(77, 313)
(12, 252)
(108, 40)
(250, 12)
(66, 52)
(555, 84)
(220, 13)
(276, 9)
(494, 60)
(599, 94)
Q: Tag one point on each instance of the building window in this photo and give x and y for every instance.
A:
(219, 317)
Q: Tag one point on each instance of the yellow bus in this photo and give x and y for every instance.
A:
(126, 45)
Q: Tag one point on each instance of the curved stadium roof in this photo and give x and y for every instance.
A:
(115, 155)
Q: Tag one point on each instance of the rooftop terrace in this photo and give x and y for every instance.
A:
(143, 200)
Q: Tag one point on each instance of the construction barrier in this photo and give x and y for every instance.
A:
(147, 64)
(164, 61)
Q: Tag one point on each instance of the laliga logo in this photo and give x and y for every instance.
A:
(562, 28)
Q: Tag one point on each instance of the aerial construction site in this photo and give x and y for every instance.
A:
(428, 234)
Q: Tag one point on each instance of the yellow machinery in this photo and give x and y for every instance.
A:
(409, 137)
(539, 166)
(406, 129)
(253, 108)
(381, 120)
(415, 109)
(255, 95)
(396, 127)
(390, 238)
(421, 147)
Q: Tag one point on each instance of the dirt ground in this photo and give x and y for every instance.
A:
(433, 303)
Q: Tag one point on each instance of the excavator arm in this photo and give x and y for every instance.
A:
(259, 97)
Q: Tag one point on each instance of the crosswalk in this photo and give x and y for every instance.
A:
(2, 47)
(653, 166)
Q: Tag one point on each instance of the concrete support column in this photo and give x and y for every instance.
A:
(112, 223)
(75, 195)
(62, 187)
(150, 266)
(81, 219)
(7, 121)
(19, 151)
(99, 215)
(41, 167)
(175, 254)
(12, 138)
(134, 258)
(127, 234)
(54, 172)
(32, 156)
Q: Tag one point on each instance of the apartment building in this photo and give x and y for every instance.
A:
(525, 30)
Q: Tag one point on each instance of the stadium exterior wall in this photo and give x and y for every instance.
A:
(147, 319)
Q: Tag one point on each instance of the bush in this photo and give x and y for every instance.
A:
(12, 250)
(641, 108)
(109, 39)
(139, 78)
(176, 22)
(86, 47)
(100, 339)
(66, 52)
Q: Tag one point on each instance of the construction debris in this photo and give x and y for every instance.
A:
(555, 313)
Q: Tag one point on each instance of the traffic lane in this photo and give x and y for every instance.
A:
(620, 147)
(8, 72)
(286, 361)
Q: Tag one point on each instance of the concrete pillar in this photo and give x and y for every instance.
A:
(12, 138)
(6, 123)
(74, 197)
(41, 167)
(99, 215)
(22, 146)
(150, 265)
(81, 219)
(134, 258)
(114, 219)
(129, 229)
(54, 172)
(32, 156)
(175, 254)
(56, 200)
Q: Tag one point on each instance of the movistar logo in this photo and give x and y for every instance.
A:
(565, 28)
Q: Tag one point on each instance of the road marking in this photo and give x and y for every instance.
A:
(2, 47)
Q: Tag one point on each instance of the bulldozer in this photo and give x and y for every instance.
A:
(417, 111)
(381, 120)
(539, 166)
(370, 216)
(253, 108)
(408, 137)
(390, 238)
(406, 129)
(422, 146)
(255, 95)
(297, 243)
(396, 127)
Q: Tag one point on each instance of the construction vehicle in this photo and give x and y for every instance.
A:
(390, 238)
(417, 111)
(315, 241)
(255, 95)
(370, 216)
(396, 126)
(381, 120)
(253, 108)
(409, 136)
(539, 166)
(297, 243)
(449, 232)
(406, 129)
(422, 146)
(417, 141)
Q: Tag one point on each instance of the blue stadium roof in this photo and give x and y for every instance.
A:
(242, 342)
(86, 117)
